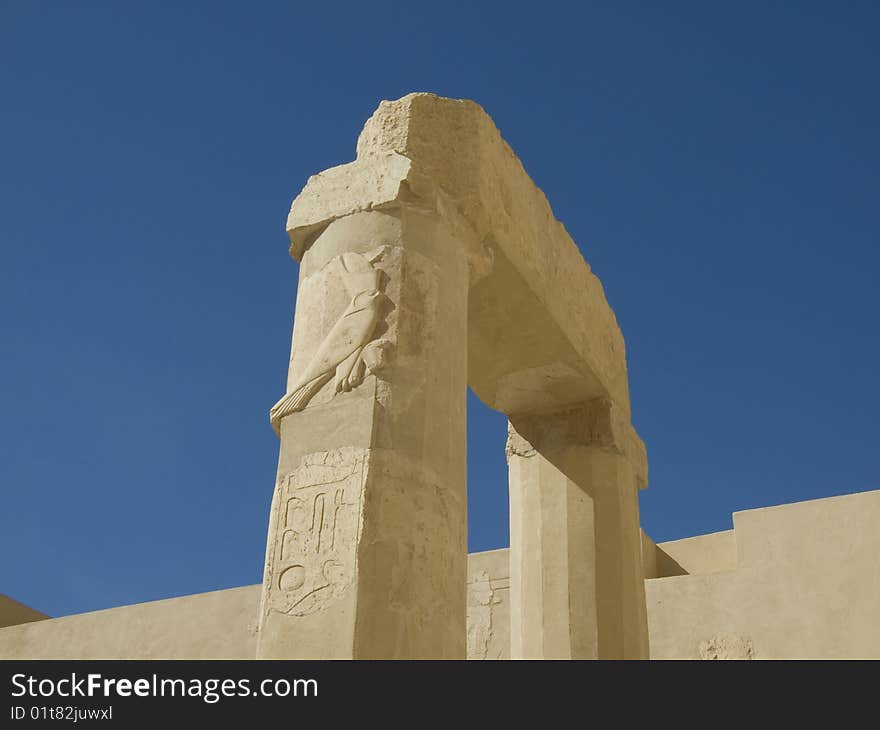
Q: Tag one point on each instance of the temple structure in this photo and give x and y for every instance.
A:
(429, 264)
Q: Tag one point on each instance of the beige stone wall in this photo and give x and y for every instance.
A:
(697, 555)
(796, 581)
(791, 582)
(805, 584)
(691, 556)
(216, 625)
(222, 624)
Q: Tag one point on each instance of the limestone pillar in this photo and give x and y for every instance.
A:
(576, 580)
(367, 551)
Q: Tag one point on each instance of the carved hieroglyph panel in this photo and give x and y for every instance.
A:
(317, 531)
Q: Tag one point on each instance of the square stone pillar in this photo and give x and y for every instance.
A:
(576, 578)
(367, 547)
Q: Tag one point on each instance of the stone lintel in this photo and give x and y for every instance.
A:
(448, 155)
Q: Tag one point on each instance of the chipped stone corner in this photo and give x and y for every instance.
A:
(516, 445)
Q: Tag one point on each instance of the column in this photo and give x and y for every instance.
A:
(577, 585)
(367, 548)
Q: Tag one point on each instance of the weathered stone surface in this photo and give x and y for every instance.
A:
(319, 524)
(367, 551)
(722, 646)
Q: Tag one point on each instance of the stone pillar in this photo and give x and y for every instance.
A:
(576, 580)
(367, 547)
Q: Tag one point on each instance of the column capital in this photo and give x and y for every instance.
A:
(385, 183)
(595, 423)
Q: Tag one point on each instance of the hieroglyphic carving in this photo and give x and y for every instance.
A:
(316, 538)
(348, 351)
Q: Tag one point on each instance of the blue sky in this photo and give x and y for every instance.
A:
(717, 163)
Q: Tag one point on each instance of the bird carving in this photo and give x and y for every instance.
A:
(341, 356)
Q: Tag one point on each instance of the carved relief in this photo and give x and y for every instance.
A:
(317, 533)
(348, 353)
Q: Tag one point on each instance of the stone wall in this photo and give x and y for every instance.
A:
(222, 624)
(805, 584)
(790, 582)
(216, 625)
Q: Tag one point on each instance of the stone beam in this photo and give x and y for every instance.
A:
(447, 155)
